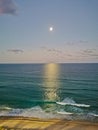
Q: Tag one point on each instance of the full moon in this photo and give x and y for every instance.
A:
(51, 29)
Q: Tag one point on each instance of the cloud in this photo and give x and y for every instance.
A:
(16, 51)
(89, 53)
(83, 41)
(70, 43)
(69, 55)
(76, 42)
(52, 50)
(58, 54)
(8, 7)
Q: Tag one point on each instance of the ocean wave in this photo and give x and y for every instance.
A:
(38, 112)
(64, 113)
(93, 114)
(69, 101)
(78, 105)
(5, 108)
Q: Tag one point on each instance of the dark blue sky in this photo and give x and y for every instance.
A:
(25, 35)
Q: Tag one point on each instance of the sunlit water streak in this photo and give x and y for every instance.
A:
(51, 82)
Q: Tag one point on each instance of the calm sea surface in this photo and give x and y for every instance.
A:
(67, 91)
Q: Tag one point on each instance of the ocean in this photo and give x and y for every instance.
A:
(67, 91)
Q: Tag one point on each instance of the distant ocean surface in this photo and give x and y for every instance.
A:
(68, 91)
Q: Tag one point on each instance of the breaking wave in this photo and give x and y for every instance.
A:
(69, 101)
(67, 109)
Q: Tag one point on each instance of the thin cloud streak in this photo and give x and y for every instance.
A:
(52, 50)
(89, 53)
(76, 42)
(16, 51)
(56, 54)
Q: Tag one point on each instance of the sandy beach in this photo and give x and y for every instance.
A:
(23, 123)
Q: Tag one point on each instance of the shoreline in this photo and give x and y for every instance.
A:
(30, 123)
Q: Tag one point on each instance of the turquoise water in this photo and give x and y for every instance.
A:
(67, 91)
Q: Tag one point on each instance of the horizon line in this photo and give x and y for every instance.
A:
(54, 63)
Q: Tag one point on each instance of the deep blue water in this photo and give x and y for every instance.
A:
(49, 90)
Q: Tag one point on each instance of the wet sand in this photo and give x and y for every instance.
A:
(23, 123)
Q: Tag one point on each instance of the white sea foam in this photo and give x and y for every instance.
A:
(29, 112)
(38, 112)
(75, 104)
(93, 114)
(65, 113)
(69, 101)
(5, 108)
